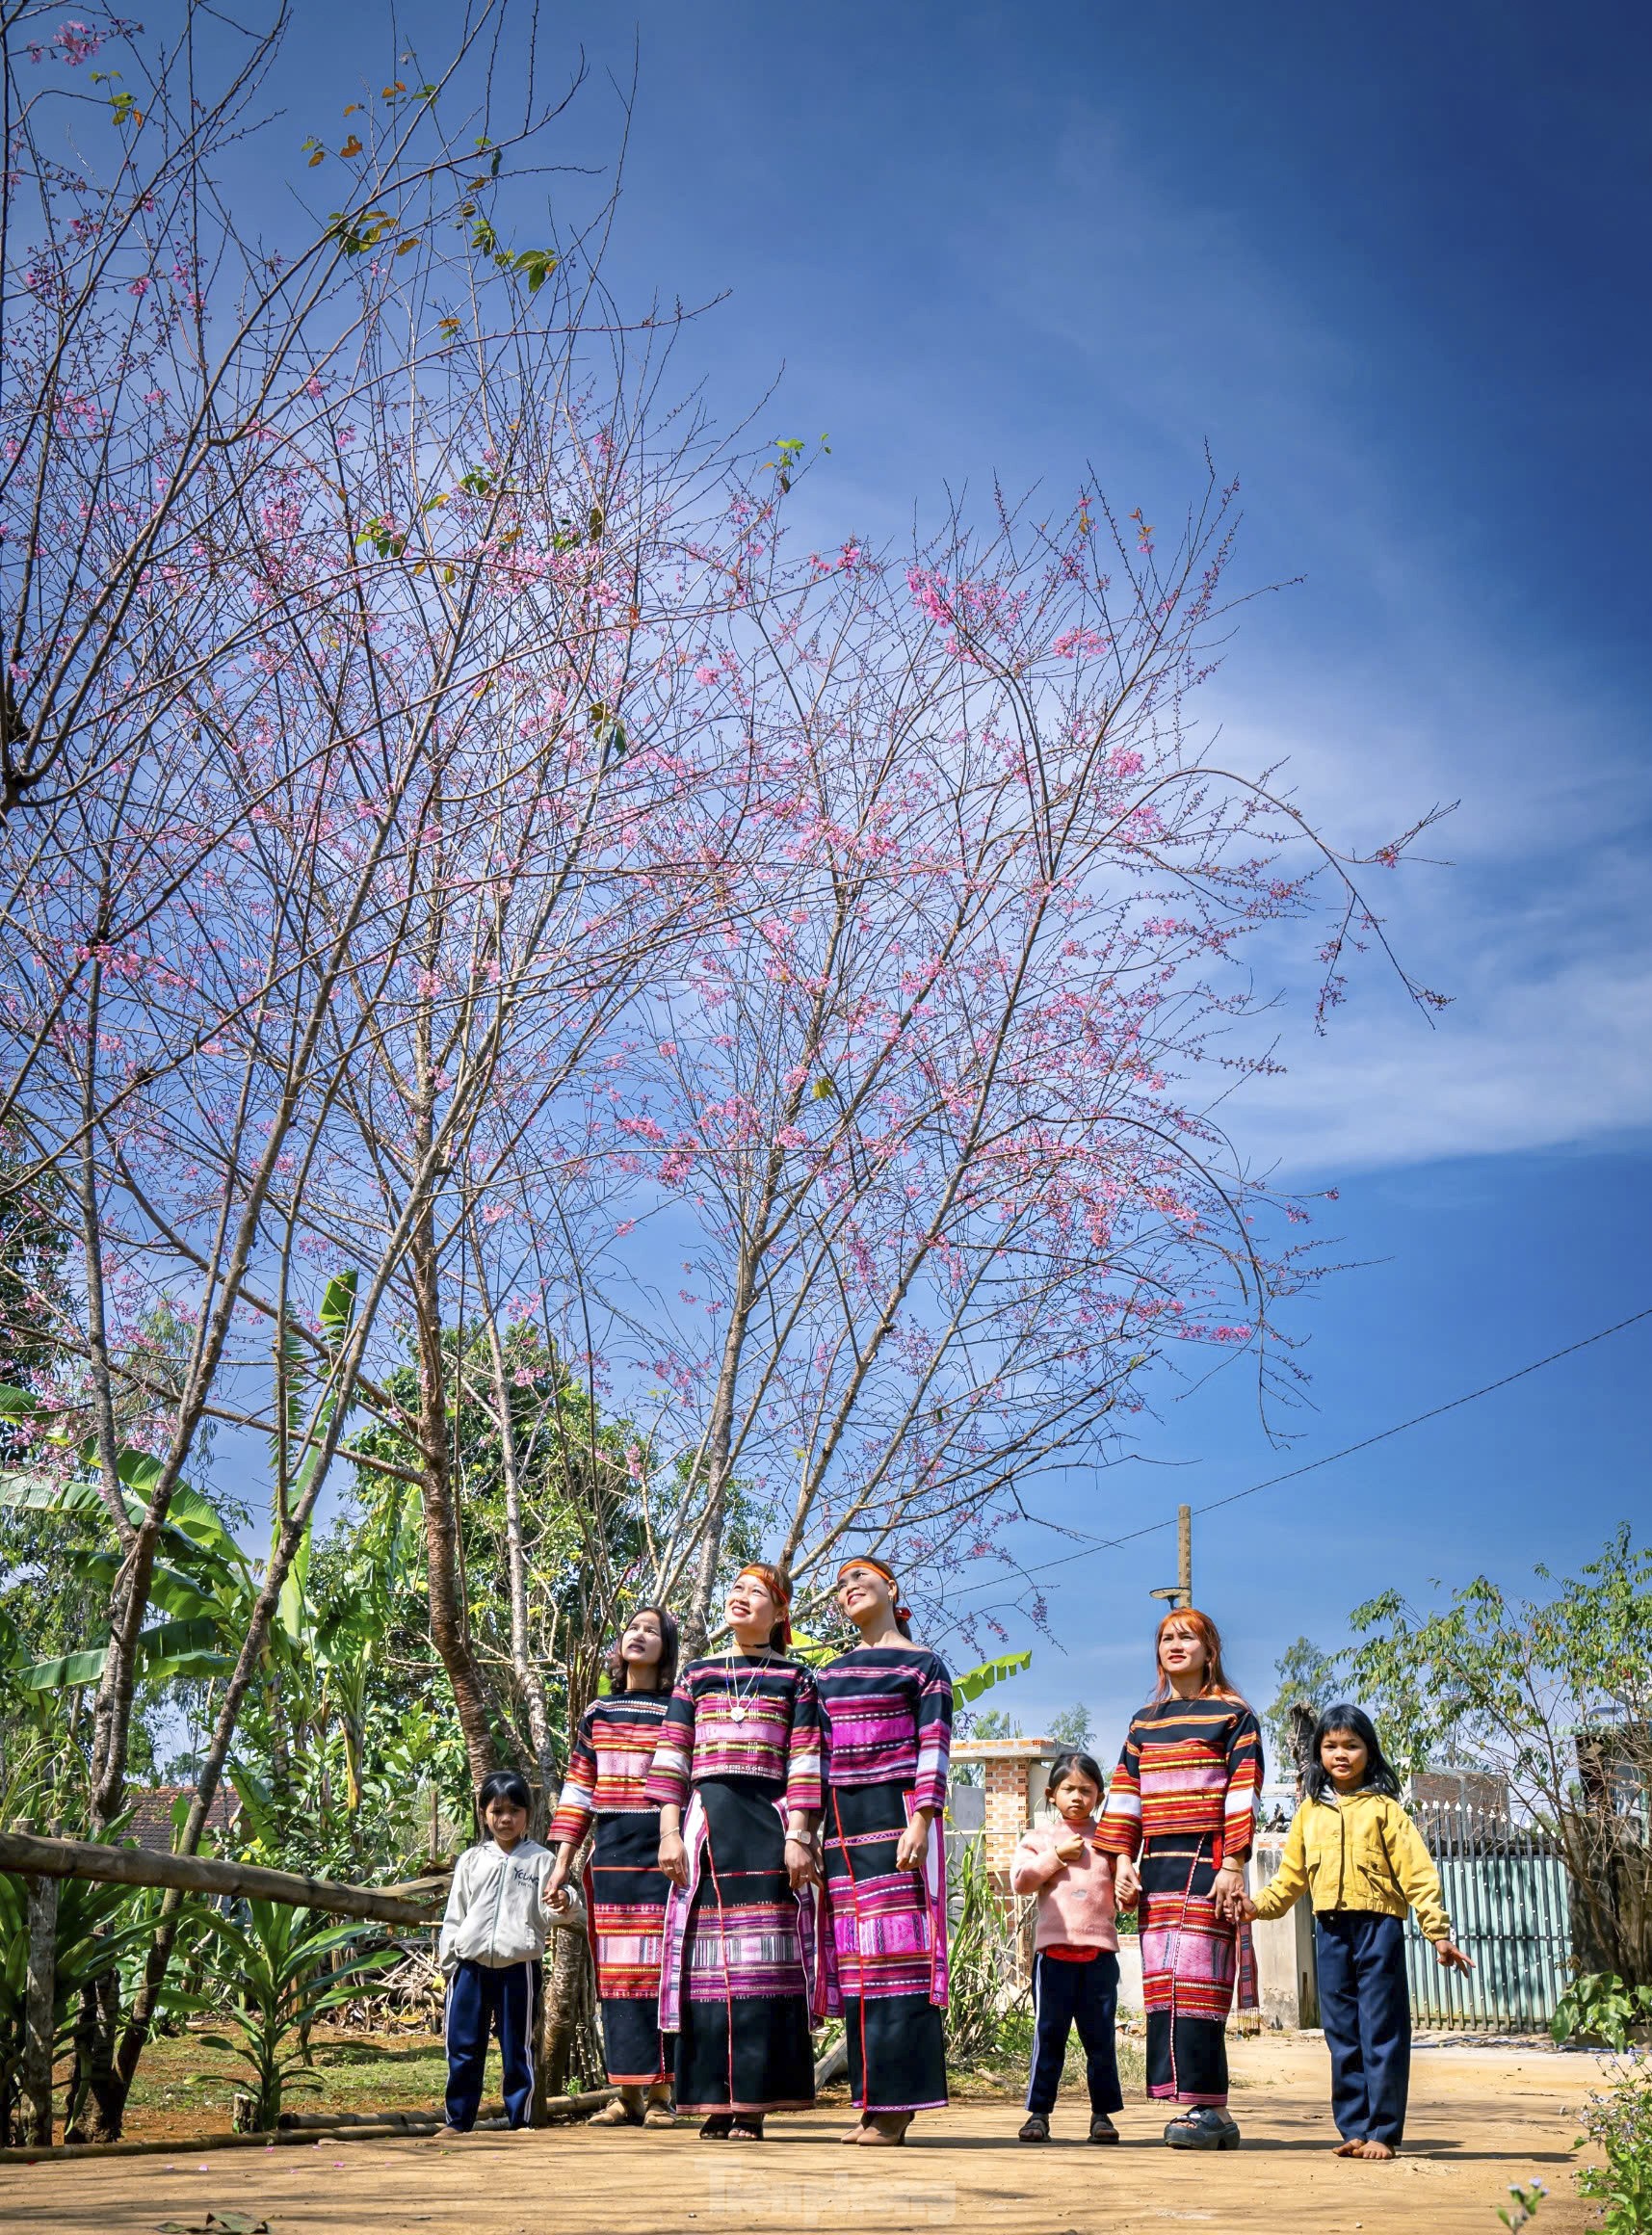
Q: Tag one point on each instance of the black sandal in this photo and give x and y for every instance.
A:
(718, 2127)
(1037, 2129)
(746, 2129)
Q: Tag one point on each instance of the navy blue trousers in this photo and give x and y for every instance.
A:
(1065, 1995)
(1365, 2007)
(481, 2002)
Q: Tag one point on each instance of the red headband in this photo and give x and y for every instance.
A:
(879, 1567)
(776, 1591)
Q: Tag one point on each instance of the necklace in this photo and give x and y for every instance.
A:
(739, 1711)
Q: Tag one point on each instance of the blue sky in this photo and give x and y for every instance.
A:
(1389, 264)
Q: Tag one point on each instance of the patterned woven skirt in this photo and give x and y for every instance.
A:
(1190, 1964)
(884, 1951)
(625, 1894)
(736, 1978)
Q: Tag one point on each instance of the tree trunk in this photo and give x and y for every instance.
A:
(450, 1617)
(530, 1682)
(567, 2012)
(43, 1914)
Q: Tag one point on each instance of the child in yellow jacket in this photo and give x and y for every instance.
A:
(1352, 1849)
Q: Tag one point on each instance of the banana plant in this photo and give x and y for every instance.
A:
(986, 1674)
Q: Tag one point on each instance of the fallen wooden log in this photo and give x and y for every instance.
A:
(29, 1855)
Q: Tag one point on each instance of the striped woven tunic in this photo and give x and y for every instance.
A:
(1183, 1799)
(883, 1944)
(740, 1748)
(625, 1889)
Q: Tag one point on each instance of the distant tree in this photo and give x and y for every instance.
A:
(1073, 1727)
(1307, 1678)
(1555, 1696)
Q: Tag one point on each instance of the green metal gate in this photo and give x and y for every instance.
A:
(1509, 1900)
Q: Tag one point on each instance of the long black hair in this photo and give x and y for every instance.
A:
(664, 1667)
(1380, 1776)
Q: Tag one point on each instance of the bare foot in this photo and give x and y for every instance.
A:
(1350, 2149)
(854, 2133)
(1376, 2150)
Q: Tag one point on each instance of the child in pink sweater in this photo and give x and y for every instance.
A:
(1075, 1959)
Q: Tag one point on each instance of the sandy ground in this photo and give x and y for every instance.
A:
(1479, 2119)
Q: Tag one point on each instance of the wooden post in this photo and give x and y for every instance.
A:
(41, 1907)
(1184, 1555)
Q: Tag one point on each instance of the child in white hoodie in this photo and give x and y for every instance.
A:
(1075, 1959)
(492, 1942)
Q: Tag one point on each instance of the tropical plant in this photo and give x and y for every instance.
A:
(284, 1970)
(982, 1678)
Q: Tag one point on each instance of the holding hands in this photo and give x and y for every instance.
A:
(1232, 1905)
(1126, 1884)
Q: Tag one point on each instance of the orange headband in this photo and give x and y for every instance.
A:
(879, 1567)
(776, 1591)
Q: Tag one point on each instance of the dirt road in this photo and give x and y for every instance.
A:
(1479, 2119)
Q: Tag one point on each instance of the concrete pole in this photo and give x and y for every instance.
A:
(1185, 1556)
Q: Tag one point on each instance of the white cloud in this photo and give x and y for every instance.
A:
(1520, 1065)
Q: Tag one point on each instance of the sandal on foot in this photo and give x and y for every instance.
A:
(1102, 2128)
(618, 2112)
(885, 2130)
(1037, 2129)
(717, 2127)
(659, 2115)
(1202, 2126)
(748, 2129)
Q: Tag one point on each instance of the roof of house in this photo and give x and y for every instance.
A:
(151, 1827)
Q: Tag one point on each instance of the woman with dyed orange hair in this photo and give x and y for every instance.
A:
(1181, 1815)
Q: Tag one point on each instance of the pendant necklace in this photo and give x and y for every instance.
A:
(738, 1712)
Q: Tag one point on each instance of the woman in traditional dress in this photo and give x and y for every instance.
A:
(737, 1780)
(889, 1709)
(625, 1891)
(1183, 1801)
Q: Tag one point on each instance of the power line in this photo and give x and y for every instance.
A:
(1330, 1458)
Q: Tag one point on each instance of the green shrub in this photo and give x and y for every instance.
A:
(1618, 2121)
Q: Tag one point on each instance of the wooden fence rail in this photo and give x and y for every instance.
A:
(31, 1854)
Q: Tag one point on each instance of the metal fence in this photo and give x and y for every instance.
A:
(1508, 1899)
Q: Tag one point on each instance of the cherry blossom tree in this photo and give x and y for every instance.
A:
(933, 1119)
(347, 587)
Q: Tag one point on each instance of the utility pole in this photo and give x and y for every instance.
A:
(1180, 1593)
